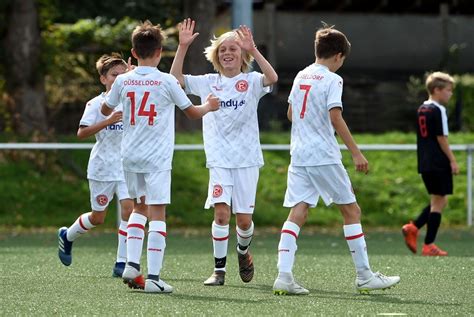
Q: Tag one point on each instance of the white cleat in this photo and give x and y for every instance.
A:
(281, 287)
(133, 277)
(153, 286)
(377, 282)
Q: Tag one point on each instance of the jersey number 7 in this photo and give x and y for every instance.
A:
(306, 89)
(151, 114)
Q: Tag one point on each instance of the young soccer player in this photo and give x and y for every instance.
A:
(148, 97)
(316, 170)
(231, 136)
(436, 162)
(104, 171)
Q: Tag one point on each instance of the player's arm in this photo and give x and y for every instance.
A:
(246, 42)
(361, 163)
(197, 112)
(186, 37)
(289, 113)
(444, 144)
(86, 131)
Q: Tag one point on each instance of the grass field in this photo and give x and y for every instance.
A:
(34, 282)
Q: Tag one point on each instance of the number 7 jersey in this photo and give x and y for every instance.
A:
(148, 97)
(315, 91)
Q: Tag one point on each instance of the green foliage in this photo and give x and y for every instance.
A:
(49, 188)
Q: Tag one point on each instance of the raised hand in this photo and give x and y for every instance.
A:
(129, 65)
(245, 40)
(186, 29)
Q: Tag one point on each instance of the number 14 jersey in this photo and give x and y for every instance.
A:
(148, 97)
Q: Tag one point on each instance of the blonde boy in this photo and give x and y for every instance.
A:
(436, 162)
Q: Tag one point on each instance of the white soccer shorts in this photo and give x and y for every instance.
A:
(308, 183)
(236, 187)
(101, 193)
(156, 187)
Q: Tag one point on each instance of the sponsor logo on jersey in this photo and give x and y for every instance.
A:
(242, 85)
(115, 127)
(232, 103)
(217, 191)
(217, 88)
(102, 200)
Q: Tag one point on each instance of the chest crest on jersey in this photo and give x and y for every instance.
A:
(242, 85)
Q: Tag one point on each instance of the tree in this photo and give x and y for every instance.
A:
(25, 82)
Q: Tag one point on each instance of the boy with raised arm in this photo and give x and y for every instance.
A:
(149, 97)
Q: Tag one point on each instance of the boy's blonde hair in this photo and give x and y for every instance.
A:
(147, 38)
(212, 52)
(107, 62)
(438, 80)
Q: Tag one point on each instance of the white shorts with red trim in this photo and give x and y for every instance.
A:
(236, 187)
(156, 187)
(308, 183)
(101, 193)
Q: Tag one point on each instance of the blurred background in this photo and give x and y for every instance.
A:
(47, 74)
(49, 48)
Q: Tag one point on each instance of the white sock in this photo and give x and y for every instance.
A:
(135, 235)
(356, 242)
(244, 237)
(287, 246)
(80, 226)
(122, 242)
(220, 240)
(156, 246)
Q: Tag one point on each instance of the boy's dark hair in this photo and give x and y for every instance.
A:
(329, 42)
(107, 62)
(146, 39)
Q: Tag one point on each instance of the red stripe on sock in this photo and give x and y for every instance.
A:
(244, 237)
(82, 224)
(290, 232)
(220, 239)
(123, 233)
(136, 225)
(162, 233)
(357, 236)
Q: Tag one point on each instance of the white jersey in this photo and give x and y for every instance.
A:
(231, 134)
(104, 162)
(315, 91)
(149, 98)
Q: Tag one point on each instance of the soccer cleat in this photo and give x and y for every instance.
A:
(246, 267)
(153, 286)
(281, 287)
(216, 279)
(118, 269)
(410, 232)
(133, 278)
(432, 250)
(65, 246)
(376, 282)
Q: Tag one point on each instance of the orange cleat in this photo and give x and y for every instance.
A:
(410, 232)
(432, 250)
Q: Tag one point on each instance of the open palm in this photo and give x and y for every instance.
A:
(245, 39)
(186, 32)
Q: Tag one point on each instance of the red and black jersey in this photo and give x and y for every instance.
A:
(431, 122)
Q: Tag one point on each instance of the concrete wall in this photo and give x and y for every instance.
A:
(407, 43)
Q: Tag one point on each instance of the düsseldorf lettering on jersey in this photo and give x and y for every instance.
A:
(231, 134)
(104, 161)
(149, 98)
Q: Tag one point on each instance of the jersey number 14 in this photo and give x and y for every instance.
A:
(151, 114)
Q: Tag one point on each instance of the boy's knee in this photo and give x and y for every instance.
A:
(97, 218)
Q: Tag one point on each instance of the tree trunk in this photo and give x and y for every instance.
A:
(203, 12)
(24, 81)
